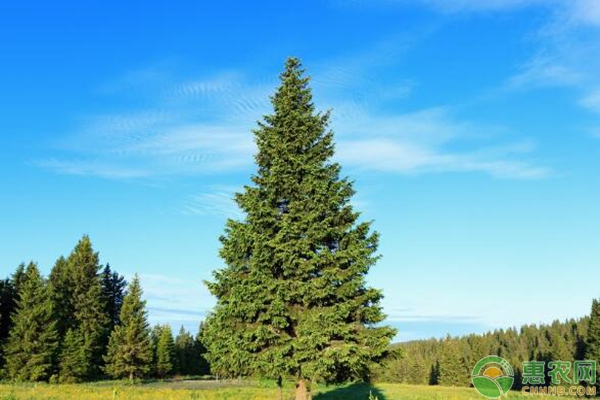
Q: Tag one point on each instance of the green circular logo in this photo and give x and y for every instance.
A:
(492, 376)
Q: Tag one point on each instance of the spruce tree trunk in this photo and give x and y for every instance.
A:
(302, 391)
(280, 386)
(131, 377)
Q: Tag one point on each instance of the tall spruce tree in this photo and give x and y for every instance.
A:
(129, 349)
(90, 318)
(33, 337)
(292, 300)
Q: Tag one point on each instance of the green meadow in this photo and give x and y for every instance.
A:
(247, 390)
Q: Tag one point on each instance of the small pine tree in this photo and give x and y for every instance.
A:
(186, 358)
(165, 352)
(33, 337)
(129, 348)
(73, 360)
(451, 369)
(154, 337)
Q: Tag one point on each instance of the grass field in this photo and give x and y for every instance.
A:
(230, 390)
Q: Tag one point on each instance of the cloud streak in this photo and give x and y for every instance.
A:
(421, 142)
(203, 126)
(178, 301)
(217, 203)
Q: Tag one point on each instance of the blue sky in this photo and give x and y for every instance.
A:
(471, 129)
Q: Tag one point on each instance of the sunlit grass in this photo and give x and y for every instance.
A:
(247, 390)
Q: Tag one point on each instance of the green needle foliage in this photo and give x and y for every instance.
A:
(292, 300)
(129, 348)
(90, 320)
(62, 295)
(593, 335)
(113, 292)
(8, 304)
(201, 366)
(165, 352)
(73, 362)
(33, 337)
(451, 369)
(187, 357)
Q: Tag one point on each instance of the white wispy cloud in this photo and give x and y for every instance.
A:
(389, 156)
(584, 11)
(453, 6)
(218, 202)
(177, 301)
(581, 12)
(542, 71)
(94, 168)
(191, 127)
(413, 315)
(203, 126)
(423, 141)
(592, 101)
(567, 54)
(481, 5)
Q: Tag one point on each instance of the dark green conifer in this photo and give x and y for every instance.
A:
(185, 353)
(129, 348)
(8, 304)
(33, 338)
(202, 366)
(113, 291)
(292, 300)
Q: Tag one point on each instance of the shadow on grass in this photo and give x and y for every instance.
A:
(358, 391)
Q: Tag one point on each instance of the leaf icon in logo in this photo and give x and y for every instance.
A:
(487, 387)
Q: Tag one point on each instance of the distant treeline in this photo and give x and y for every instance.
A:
(82, 323)
(450, 361)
